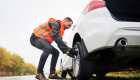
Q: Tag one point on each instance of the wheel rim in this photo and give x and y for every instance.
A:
(61, 67)
(76, 64)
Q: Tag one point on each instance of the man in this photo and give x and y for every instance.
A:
(42, 38)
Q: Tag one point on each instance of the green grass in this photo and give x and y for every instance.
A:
(124, 75)
(121, 76)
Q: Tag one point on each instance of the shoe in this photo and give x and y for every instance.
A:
(54, 77)
(40, 76)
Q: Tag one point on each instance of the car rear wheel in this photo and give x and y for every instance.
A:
(82, 67)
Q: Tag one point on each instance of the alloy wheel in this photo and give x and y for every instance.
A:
(76, 64)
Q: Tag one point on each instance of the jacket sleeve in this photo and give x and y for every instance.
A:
(60, 43)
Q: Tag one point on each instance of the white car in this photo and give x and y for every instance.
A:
(107, 38)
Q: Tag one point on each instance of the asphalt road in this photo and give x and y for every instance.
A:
(24, 78)
(33, 78)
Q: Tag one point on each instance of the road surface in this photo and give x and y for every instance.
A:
(23, 78)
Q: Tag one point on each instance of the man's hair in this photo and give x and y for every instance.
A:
(69, 19)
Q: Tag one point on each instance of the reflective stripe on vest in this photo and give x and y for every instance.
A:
(47, 31)
(42, 34)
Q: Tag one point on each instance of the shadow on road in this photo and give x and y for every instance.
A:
(110, 78)
(117, 78)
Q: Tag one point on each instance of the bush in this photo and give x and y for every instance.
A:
(13, 64)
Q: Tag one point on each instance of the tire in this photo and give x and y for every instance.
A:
(63, 73)
(82, 67)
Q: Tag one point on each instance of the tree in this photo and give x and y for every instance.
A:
(30, 68)
(13, 64)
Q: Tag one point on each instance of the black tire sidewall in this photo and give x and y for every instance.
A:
(84, 65)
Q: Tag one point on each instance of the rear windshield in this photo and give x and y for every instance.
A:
(124, 10)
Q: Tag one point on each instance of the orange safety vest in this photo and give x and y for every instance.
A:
(45, 32)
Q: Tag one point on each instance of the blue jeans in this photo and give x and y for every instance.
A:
(47, 49)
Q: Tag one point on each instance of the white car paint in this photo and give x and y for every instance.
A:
(99, 30)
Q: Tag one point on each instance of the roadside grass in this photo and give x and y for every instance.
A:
(126, 75)
(118, 78)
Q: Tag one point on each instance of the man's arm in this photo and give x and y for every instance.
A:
(60, 43)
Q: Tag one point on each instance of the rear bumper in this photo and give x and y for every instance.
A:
(132, 36)
(102, 40)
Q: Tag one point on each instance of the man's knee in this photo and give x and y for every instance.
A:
(44, 54)
(48, 49)
(55, 51)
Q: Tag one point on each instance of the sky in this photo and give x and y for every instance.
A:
(18, 18)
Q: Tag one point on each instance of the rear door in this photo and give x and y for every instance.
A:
(125, 10)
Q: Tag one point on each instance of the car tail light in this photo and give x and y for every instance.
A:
(94, 5)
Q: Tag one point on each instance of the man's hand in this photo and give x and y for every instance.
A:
(72, 52)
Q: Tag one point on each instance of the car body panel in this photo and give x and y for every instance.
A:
(99, 29)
